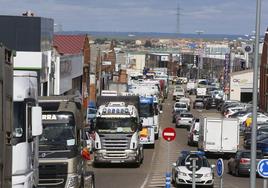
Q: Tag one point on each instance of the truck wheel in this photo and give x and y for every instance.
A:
(92, 185)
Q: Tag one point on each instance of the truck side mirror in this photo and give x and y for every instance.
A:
(37, 127)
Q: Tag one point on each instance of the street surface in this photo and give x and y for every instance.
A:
(157, 162)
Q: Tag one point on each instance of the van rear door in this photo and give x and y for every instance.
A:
(213, 135)
(230, 135)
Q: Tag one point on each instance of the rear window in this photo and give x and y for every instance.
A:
(247, 155)
(186, 115)
(179, 90)
(180, 105)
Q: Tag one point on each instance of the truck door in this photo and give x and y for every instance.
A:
(213, 135)
(230, 135)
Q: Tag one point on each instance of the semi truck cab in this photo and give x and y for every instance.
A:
(61, 144)
(117, 134)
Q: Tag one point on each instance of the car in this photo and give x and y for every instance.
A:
(193, 134)
(260, 137)
(224, 104)
(232, 110)
(240, 163)
(175, 113)
(211, 103)
(262, 128)
(186, 100)
(184, 119)
(198, 103)
(180, 106)
(263, 146)
(182, 176)
(178, 92)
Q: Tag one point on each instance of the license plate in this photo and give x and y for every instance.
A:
(115, 161)
(196, 180)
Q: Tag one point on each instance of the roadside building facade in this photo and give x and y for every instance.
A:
(264, 76)
(74, 53)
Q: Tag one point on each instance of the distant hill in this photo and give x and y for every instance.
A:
(138, 35)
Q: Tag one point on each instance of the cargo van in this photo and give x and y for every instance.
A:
(218, 135)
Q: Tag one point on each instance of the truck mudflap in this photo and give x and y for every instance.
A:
(147, 135)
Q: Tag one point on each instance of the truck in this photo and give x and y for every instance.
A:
(6, 113)
(149, 128)
(218, 135)
(118, 86)
(27, 126)
(61, 144)
(117, 128)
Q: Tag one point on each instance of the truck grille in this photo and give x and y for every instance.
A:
(52, 175)
(115, 147)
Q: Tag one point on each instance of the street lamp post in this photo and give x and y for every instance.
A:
(255, 97)
(199, 32)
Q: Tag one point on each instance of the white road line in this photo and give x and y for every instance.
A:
(148, 175)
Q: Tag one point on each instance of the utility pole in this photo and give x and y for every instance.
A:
(178, 17)
(200, 60)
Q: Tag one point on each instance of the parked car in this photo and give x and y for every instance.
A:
(230, 111)
(263, 146)
(262, 128)
(260, 137)
(240, 163)
(185, 119)
(182, 176)
(193, 135)
(226, 104)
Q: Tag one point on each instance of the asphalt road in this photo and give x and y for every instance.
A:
(158, 161)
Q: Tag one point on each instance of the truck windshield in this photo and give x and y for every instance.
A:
(146, 110)
(116, 125)
(57, 134)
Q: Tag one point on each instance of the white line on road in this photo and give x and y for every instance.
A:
(148, 175)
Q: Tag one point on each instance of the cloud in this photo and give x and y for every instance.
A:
(213, 16)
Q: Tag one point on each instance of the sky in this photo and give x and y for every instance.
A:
(209, 16)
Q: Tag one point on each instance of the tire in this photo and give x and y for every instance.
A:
(237, 172)
(83, 181)
(229, 170)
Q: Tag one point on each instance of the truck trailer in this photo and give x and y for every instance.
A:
(6, 113)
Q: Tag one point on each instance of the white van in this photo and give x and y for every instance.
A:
(218, 135)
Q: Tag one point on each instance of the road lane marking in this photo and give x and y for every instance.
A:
(148, 175)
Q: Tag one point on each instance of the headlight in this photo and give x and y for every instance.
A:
(208, 174)
(182, 173)
(72, 181)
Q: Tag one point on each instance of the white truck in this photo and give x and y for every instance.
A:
(6, 112)
(117, 131)
(218, 135)
(27, 126)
